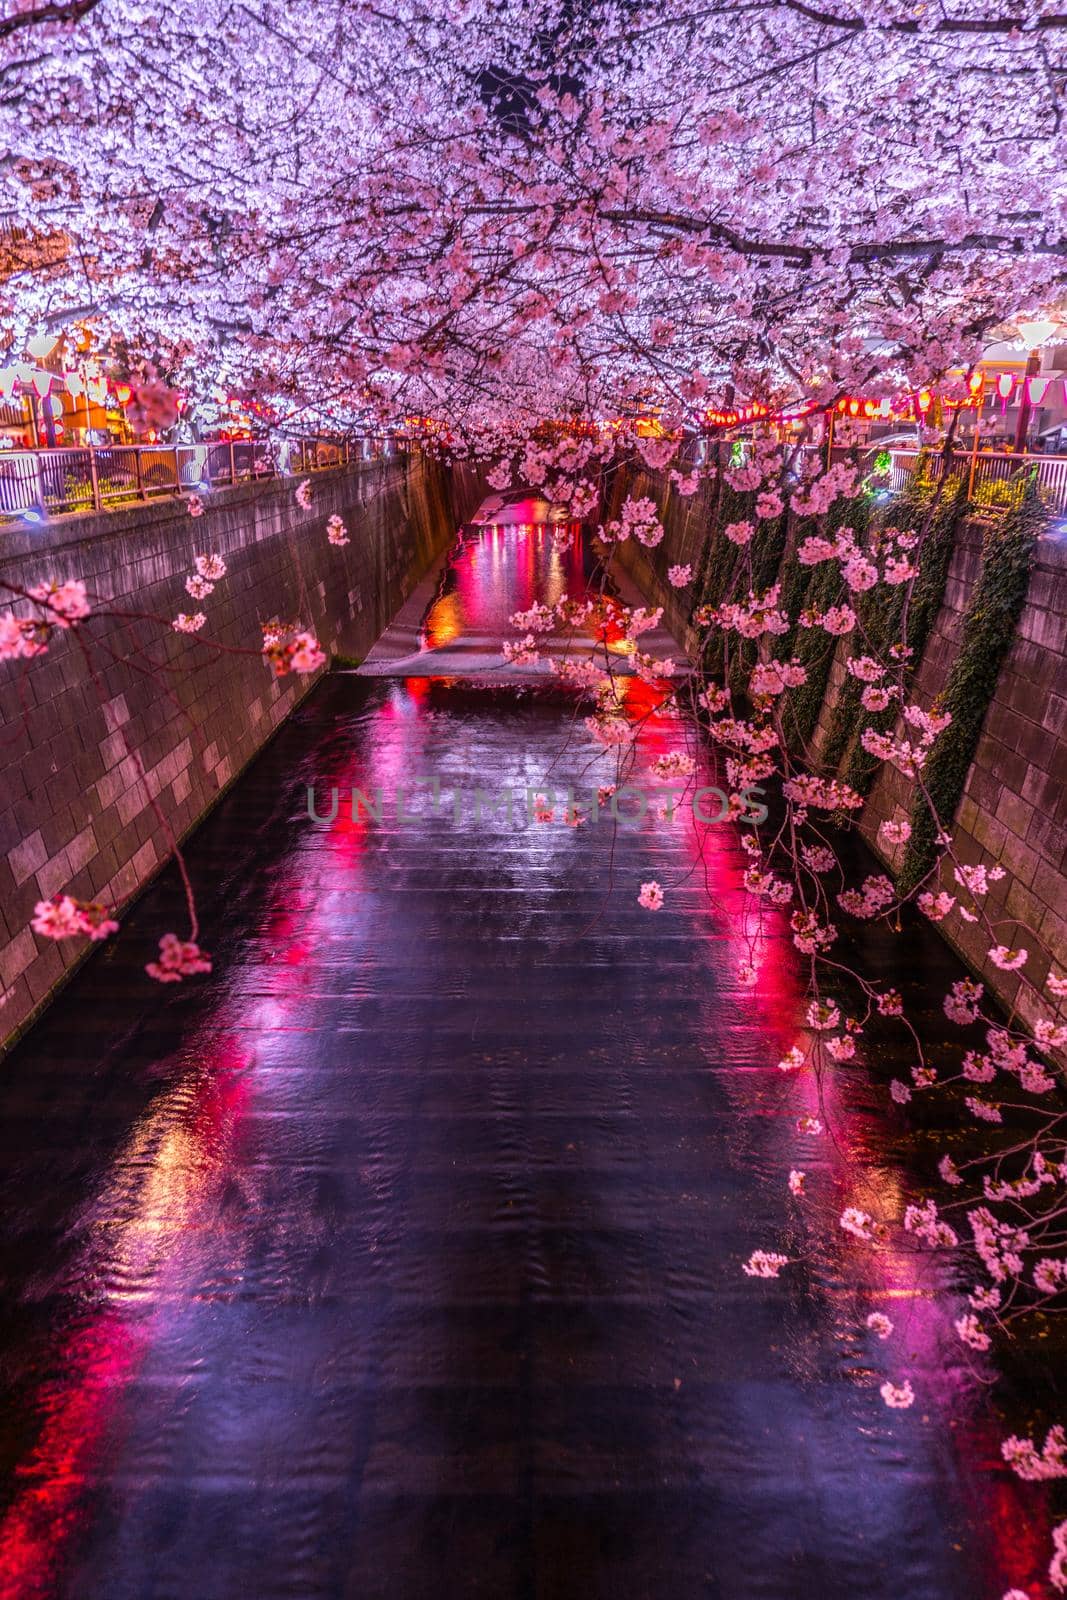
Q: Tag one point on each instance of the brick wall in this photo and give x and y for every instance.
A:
(1014, 806)
(78, 732)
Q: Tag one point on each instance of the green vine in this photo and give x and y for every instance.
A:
(880, 617)
(989, 626)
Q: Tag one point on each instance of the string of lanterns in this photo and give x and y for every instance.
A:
(1005, 386)
(24, 375)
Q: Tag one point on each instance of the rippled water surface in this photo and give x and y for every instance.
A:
(402, 1258)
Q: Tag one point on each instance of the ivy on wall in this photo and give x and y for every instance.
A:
(881, 618)
(989, 626)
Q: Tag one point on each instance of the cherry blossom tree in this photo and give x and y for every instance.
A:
(528, 224)
(500, 215)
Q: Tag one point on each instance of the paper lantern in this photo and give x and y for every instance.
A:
(1005, 385)
(1036, 390)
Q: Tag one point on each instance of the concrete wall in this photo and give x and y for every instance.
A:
(80, 727)
(686, 519)
(1014, 806)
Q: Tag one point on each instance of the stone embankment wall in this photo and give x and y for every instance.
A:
(122, 710)
(1013, 809)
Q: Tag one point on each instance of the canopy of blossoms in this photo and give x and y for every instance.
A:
(493, 214)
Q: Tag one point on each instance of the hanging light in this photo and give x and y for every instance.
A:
(1005, 385)
(925, 399)
(1036, 389)
(42, 382)
(40, 347)
(1034, 333)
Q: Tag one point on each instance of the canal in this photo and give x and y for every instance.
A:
(402, 1258)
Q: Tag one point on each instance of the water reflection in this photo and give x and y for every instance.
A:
(403, 1259)
(500, 569)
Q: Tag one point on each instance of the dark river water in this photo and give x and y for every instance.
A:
(402, 1257)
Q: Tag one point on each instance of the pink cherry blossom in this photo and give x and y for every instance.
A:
(306, 653)
(814, 550)
(764, 1264)
(64, 603)
(971, 1332)
(58, 918)
(962, 1001)
(1024, 1458)
(857, 1222)
(859, 573)
(1006, 959)
(983, 1110)
(936, 906)
(177, 959)
(769, 504)
(22, 638)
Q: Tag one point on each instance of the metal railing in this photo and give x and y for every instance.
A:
(996, 480)
(39, 483)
